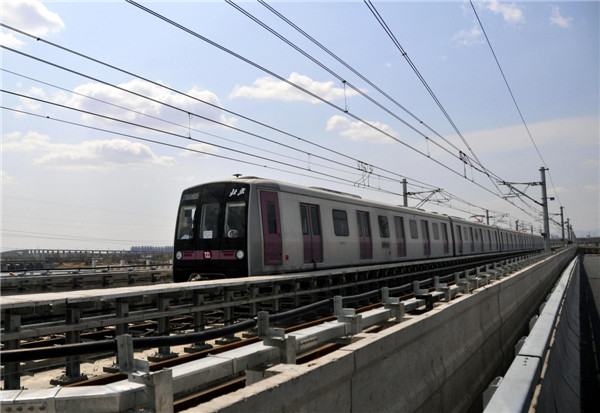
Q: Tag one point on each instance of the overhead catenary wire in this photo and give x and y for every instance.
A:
(184, 110)
(513, 97)
(183, 94)
(413, 180)
(388, 31)
(177, 92)
(331, 178)
(187, 111)
(346, 82)
(189, 128)
(256, 65)
(260, 67)
(391, 35)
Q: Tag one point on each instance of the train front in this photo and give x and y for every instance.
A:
(211, 233)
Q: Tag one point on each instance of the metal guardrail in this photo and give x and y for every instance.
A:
(514, 392)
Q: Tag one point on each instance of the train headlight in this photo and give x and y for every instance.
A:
(178, 255)
(239, 254)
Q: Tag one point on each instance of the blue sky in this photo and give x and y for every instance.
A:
(65, 186)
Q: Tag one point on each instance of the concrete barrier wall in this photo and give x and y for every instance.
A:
(440, 361)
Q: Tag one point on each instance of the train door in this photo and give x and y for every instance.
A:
(460, 239)
(311, 233)
(426, 240)
(364, 234)
(271, 224)
(400, 237)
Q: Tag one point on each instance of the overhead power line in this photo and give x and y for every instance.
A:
(146, 97)
(189, 96)
(421, 78)
(258, 66)
(192, 97)
(329, 178)
(391, 35)
(512, 95)
(345, 81)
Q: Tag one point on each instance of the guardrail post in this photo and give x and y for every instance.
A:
(121, 311)
(73, 364)
(198, 325)
(12, 376)
(276, 291)
(348, 316)
(276, 337)
(164, 353)
(73, 367)
(393, 304)
(159, 390)
(228, 318)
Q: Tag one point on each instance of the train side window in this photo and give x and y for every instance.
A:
(445, 238)
(304, 219)
(384, 227)
(340, 223)
(271, 218)
(476, 235)
(436, 230)
(472, 239)
(414, 233)
(314, 220)
(426, 242)
(465, 234)
(400, 237)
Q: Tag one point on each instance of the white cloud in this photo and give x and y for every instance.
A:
(201, 147)
(144, 106)
(468, 37)
(92, 154)
(6, 179)
(10, 40)
(31, 104)
(573, 131)
(590, 164)
(592, 188)
(270, 88)
(510, 12)
(30, 16)
(359, 132)
(559, 20)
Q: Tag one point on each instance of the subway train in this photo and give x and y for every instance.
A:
(252, 226)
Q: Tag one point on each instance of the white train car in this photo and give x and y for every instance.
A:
(252, 226)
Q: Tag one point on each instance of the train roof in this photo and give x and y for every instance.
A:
(341, 196)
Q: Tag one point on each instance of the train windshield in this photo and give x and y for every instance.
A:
(235, 220)
(209, 220)
(187, 211)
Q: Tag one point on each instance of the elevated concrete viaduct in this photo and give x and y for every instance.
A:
(440, 361)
